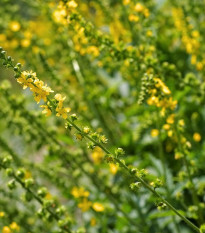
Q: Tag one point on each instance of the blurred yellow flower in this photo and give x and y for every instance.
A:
(14, 26)
(97, 155)
(98, 207)
(14, 226)
(139, 7)
(154, 132)
(2, 214)
(85, 205)
(6, 230)
(113, 168)
(197, 137)
(79, 192)
(93, 221)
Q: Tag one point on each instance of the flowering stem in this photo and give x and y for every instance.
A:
(194, 193)
(18, 180)
(136, 177)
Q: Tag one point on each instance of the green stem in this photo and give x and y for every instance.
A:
(137, 177)
(194, 192)
(35, 197)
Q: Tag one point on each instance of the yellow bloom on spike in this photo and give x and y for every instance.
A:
(166, 126)
(98, 207)
(6, 230)
(59, 97)
(93, 221)
(154, 132)
(139, 7)
(133, 18)
(15, 26)
(14, 226)
(113, 168)
(97, 155)
(72, 4)
(197, 137)
(46, 110)
(61, 111)
(170, 119)
(85, 205)
(79, 192)
(2, 214)
(126, 2)
(24, 80)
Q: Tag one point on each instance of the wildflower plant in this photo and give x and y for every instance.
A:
(101, 116)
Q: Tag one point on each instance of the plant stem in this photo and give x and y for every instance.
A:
(137, 177)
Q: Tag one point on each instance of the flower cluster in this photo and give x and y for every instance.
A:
(39, 89)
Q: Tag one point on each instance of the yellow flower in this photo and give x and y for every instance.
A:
(139, 7)
(193, 59)
(59, 97)
(40, 90)
(72, 4)
(166, 126)
(199, 66)
(113, 168)
(133, 18)
(2, 214)
(166, 90)
(93, 221)
(24, 80)
(197, 137)
(126, 2)
(170, 119)
(48, 196)
(170, 133)
(98, 207)
(146, 12)
(79, 192)
(46, 110)
(42, 94)
(6, 230)
(181, 122)
(97, 155)
(85, 205)
(93, 50)
(86, 129)
(154, 132)
(61, 111)
(149, 33)
(195, 33)
(15, 26)
(25, 43)
(14, 226)
(178, 155)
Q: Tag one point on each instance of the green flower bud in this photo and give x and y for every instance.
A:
(11, 184)
(135, 186)
(48, 203)
(9, 172)
(28, 196)
(9, 58)
(29, 182)
(41, 213)
(91, 145)
(7, 161)
(119, 152)
(19, 65)
(42, 192)
(16, 69)
(86, 130)
(73, 117)
(60, 211)
(20, 173)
